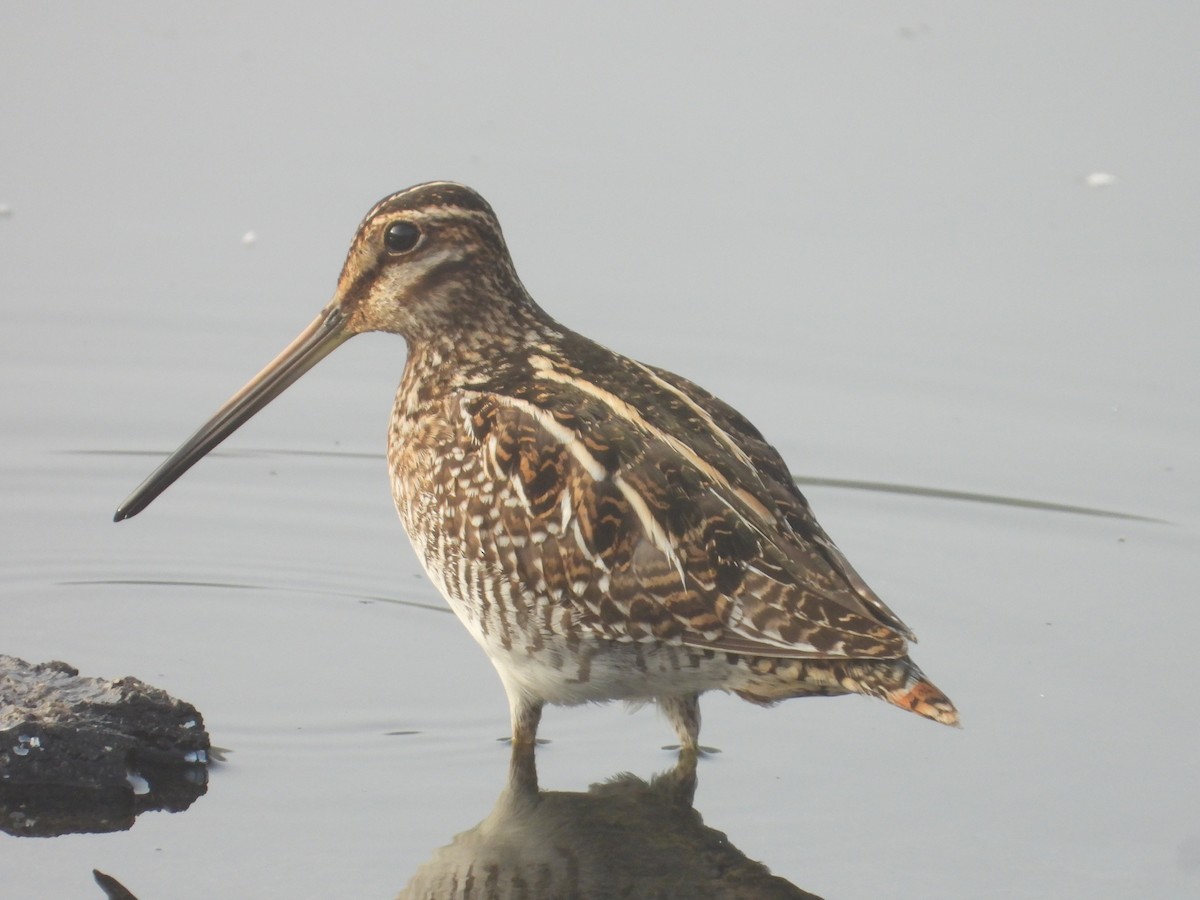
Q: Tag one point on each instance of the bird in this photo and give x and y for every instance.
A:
(605, 529)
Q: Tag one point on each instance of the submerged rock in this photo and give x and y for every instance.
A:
(88, 754)
(112, 888)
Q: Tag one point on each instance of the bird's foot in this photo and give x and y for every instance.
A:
(697, 749)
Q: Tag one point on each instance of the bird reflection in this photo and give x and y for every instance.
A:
(624, 837)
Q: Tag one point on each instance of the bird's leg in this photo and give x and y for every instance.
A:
(683, 712)
(678, 783)
(526, 714)
(522, 772)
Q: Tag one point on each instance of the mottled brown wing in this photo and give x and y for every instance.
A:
(779, 485)
(613, 523)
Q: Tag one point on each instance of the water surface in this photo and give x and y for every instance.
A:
(870, 229)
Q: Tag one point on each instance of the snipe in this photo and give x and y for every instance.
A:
(605, 529)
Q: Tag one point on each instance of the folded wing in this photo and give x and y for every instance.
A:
(690, 534)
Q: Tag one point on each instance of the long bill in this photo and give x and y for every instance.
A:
(312, 345)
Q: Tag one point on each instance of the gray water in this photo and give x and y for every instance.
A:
(871, 227)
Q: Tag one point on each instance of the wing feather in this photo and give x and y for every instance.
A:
(640, 539)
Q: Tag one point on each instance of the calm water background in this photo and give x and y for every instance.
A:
(868, 226)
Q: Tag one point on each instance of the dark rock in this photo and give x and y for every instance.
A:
(112, 888)
(86, 754)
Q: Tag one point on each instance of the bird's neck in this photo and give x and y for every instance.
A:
(487, 340)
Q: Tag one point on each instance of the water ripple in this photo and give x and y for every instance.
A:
(851, 484)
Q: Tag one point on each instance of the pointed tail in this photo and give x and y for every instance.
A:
(902, 683)
(925, 699)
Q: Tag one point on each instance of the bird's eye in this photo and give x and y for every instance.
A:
(401, 236)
